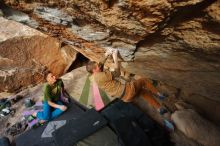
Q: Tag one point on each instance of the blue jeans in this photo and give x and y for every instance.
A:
(49, 113)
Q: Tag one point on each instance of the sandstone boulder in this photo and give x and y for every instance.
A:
(197, 128)
(176, 42)
(27, 53)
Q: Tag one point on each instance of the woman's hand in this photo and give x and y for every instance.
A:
(62, 107)
(54, 105)
(66, 100)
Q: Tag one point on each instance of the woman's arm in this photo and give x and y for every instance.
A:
(54, 105)
(64, 92)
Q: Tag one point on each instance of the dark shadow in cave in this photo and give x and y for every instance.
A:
(80, 61)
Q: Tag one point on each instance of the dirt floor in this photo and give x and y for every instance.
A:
(18, 106)
(36, 94)
(78, 77)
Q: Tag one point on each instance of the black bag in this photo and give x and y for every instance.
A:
(4, 141)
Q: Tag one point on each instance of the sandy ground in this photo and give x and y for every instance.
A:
(34, 93)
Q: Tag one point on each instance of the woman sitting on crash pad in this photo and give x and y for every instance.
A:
(52, 104)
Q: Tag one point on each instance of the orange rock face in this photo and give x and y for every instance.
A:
(26, 54)
(176, 42)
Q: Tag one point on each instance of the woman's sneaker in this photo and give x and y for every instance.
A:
(34, 123)
(30, 118)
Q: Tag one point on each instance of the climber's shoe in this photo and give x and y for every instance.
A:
(162, 111)
(161, 96)
(168, 124)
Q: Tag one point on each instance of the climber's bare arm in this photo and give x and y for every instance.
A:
(104, 58)
(117, 72)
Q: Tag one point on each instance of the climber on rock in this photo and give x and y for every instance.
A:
(53, 99)
(107, 81)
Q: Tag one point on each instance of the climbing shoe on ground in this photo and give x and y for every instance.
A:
(28, 103)
(4, 112)
(4, 103)
(17, 98)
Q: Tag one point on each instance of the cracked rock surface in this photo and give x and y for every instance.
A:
(176, 42)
